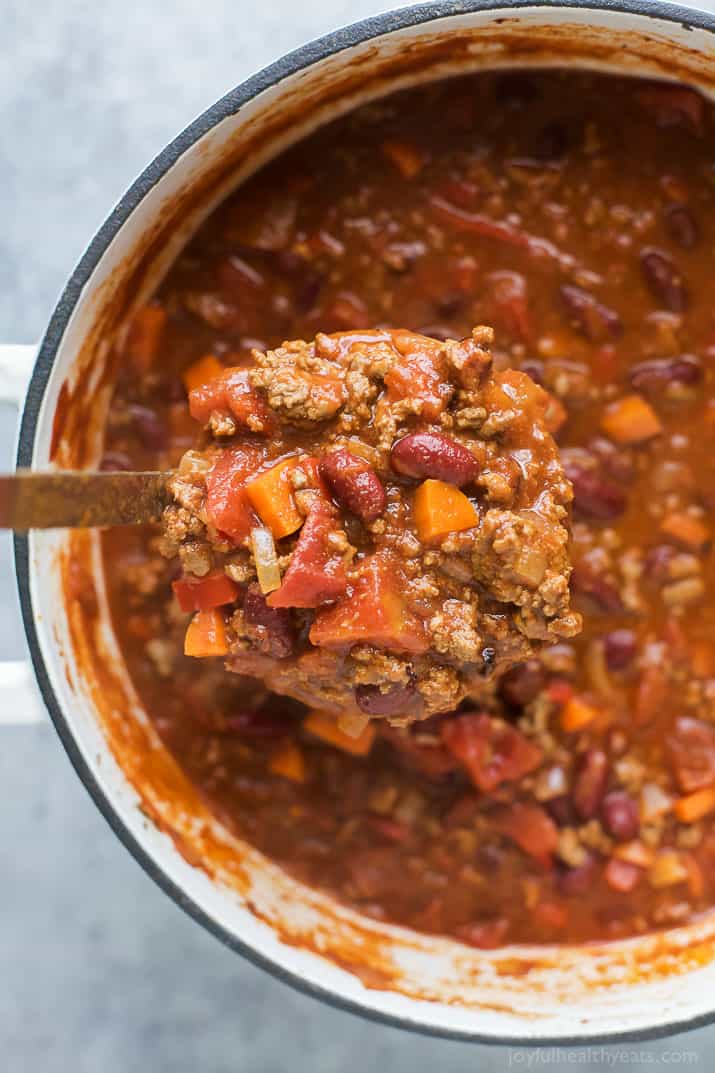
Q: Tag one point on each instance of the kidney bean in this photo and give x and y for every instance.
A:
(682, 226)
(590, 784)
(535, 369)
(561, 810)
(663, 279)
(619, 649)
(588, 316)
(619, 813)
(522, 683)
(270, 627)
(354, 484)
(575, 881)
(588, 582)
(594, 495)
(262, 723)
(373, 701)
(149, 427)
(616, 461)
(429, 454)
(651, 376)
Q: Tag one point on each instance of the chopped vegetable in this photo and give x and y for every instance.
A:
(201, 372)
(206, 635)
(490, 750)
(631, 420)
(202, 594)
(532, 829)
(635, 853)
(227, 506)
(372, 612)
(685, 529)
(621, 875)
(667, 869)
(440, 509)
(264, 554)
(694, 806)
(231, 393)
(324, 726)
(577, 714)
(316, 572)
(405, 157)
(271, 494)
(288, 761)
(417, 376)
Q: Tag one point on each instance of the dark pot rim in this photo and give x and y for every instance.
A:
(293, 62)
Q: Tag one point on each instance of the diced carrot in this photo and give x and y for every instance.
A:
(206, 635)
(289, 762)
(631, 420)
(271, 495)
(440, 509)
(325, 727)
(694, 806)
(405, 157)
(576, 714)
(144, 336)
(203, 370)
(201, 594)
(685, 529)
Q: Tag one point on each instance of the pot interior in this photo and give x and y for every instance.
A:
(544, 993)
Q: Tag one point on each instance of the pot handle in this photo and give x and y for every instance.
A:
(19, 697)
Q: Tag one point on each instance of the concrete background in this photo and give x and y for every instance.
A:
(99, 971)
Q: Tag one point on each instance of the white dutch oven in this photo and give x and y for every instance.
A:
(641, 987)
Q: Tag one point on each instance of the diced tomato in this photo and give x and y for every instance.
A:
(622, 876)
(417, 376)
(316, 574)
(227, 506)
(372, 612)
(509, 304)
(553, 915)
(491, 751)
(231, 393)
(433, 761)
(203, 593)
(532, 829)
(691, 748)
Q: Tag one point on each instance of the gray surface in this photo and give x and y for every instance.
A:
(100, 971)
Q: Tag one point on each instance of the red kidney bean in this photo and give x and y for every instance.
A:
(682, 226)
(373, 701)
(522, 683)
(590, 784)
(594, 495)
(616, 461)
(575, 881)
(663, 279)
(588, 582)
(270, 627)
(429, 454)
(149, 427)
(652, 376)
(535, 369)
(262, 723)
(354, 484)
(588, 316)
(619, 649)
(619, 813)
(561, 810)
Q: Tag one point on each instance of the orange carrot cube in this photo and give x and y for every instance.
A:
(440, 509)
(631, 420)
(206, 635)
(201, 372)
(324, 726)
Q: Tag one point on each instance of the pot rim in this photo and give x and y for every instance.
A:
(293, 62)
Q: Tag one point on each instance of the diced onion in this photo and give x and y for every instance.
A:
(194, 462)
(667, 869)
(654, 802)
(264, 553)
